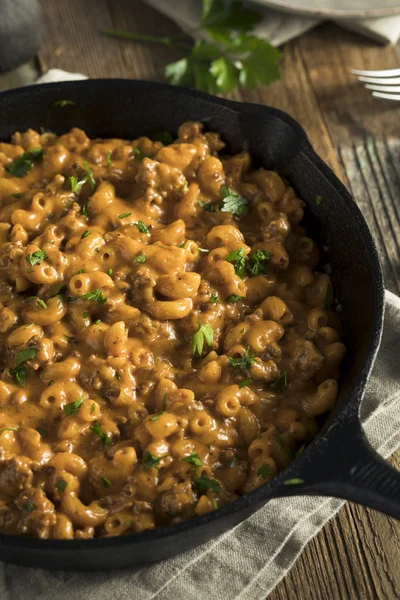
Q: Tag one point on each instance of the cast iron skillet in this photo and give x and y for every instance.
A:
(339, 462)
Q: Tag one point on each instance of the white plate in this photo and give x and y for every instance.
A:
(336, 8)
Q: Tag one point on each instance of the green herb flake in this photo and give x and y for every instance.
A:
(137, 152)
(80, 271)
(63, 103)
(318, 200)
(104, 437)
(281, 383)
(95, 296)
(85, 314)
(142, 227)
(193, 459)
(293, 481)
(35, 258)
(17, 195)
(235, 298)
(24, 355)
(205, 333)
(237, 258)
(85, 234)
(214, 299)
(264, 471)
(28, 506)
(203, 483)
(109, 161)
(89, 176)
(156, 417)
(39, 301)
(124, 215)
(140, 258)
(61, 485)
(150, 460)
(92, 408)
(9, 429)
(73, 407)
(242, 362)
(245, 383)
(25, 162)
(279, 440)
(234, 462)
(117, 376)
(109, 272)
(185, 187)
(208, 206)
(106, 482)
(165, 137)
(164, 402)
(257, 264)
(97, 322)
(42, 432)
(233, 202)
(50, 382)
(76, 186)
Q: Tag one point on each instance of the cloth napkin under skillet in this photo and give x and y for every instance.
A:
(247, 562)
(279, 27)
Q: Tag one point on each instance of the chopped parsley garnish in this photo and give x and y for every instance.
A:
(85, 234)
(193, 459)
(17, 195)
(80, 271)
(245, 383)
(35, 258)
(50, 382)
(203, 483)
(204, 333)
(142, 227)
(95, 296)
(42, 431)
(61, 485)
(150, 460)
(156, 417)
(39, 301)
(279, 384)
(242, 362)
(141, 155)
(63, 103)
(237, 258)
(109, 161)
(89, 176)
(264, 471)
(282, 444)
(117, 376)
(25, 162)
(140, 258)
(85, 314)
(185, 187)
(164, 402)
(24, 355)
(97, 322)
(106, 482)
(104, 438)
(233, 202)
(73, 407)
(124, 215)
(28, 506)
(165, 137)
(328, 297)
(235, 298)
(92, 408)
(300, 451)
(257, 262)
(208, 206)
(294, 481)
(109, 272)
(9, 429)
(76, 186)
(214, 299)
(205, 250)
(318, 200)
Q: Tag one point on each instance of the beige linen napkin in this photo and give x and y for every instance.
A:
(247, 562)
(279, 27)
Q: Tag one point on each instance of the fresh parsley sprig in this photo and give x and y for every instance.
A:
(25, 162)
(205, 333)
(233, 202)
(242, 362)
(227, 56)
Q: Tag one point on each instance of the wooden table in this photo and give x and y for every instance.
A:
(356, 555)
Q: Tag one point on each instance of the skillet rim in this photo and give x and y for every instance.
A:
(350, 409)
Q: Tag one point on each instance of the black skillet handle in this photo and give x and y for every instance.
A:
(343, 464)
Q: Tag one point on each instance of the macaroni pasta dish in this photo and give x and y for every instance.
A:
(167, 342)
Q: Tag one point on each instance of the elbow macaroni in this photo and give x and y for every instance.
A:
(152, 342)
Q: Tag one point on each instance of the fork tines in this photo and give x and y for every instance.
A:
(388, 82)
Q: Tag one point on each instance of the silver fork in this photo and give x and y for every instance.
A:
(388, 82)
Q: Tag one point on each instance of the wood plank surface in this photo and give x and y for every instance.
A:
(355, 556)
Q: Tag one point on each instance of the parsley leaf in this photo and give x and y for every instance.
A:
(242, 362)
(257, 262)
(73, 407)
(140, 154)
(61, 485)
(89, 176)
(106, 482)
(76, 185)
(294, 481)
(24, 355)
(318, 200)
(208, 206)
(235, 298)
(193, 459)
(63, 103)
(104, 437)
(25, 162)
(237, 258)
(204, 333)
(85, 234)
(164, 402)
(233, 202)
(109, 161)
(245, 383)
(264, 471)
(39, 301)
(279, 384)
(124, 215)
(28, 506)
(203, 483)
(142, 227)
(19, 373)
(214, 299)
(140, 258)
(150, 460)
(42, 431)
(35, 258)
(96, 296)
